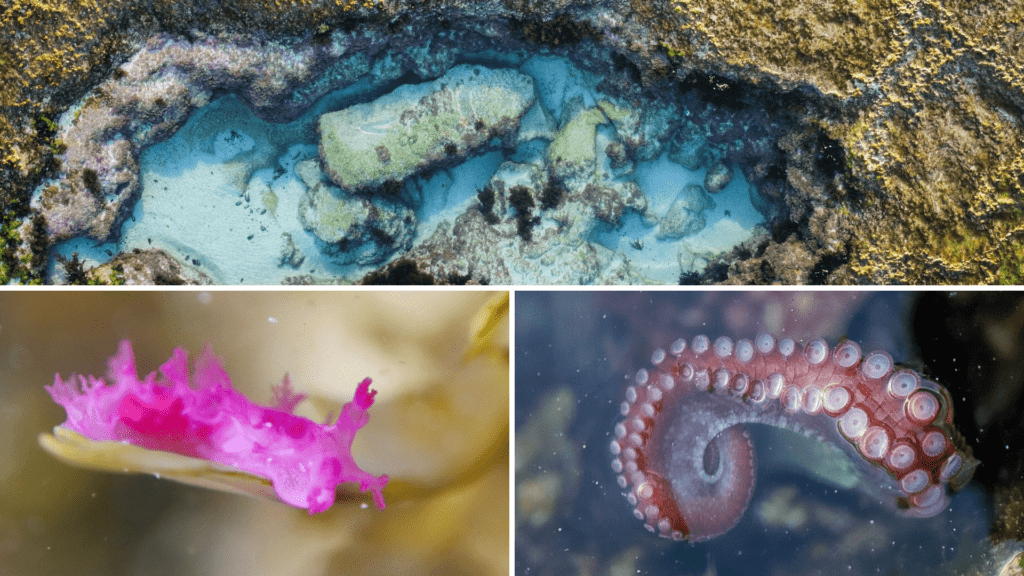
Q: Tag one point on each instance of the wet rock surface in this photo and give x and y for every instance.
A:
(718, 177)
(889, 131)
(685, 215)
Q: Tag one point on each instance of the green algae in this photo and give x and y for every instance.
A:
(574, 143)
(334, 216)
(270, 201)
(367, 144)
(798, 41)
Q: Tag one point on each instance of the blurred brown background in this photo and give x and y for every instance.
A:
(439, 429)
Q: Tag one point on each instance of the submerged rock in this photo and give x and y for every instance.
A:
(718, 177)
(689, 149)
(686, 214)
(291, 255)
(140, 267)
(354, 229)
(419, 126)
(610, 200)
(557, 251)
(642, 130)
(537, 123)
(572, 155)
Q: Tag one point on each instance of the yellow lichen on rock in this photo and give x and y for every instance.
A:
(937, 139)
(796, 41)
(948, 158)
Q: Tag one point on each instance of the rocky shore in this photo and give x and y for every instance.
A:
(883, 141)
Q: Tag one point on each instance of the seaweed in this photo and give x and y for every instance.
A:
(716, 272)
(458, 279)
(391, 189)
(690, 279)
(402, 272)
(522, 201)
(405, 272)
(551, 195)
(382, 238)
(92, 183)
(486, 197)
(74, 270)
(40, 241)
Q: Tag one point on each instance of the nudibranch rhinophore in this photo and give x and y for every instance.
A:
(687, 464)
(174, 422)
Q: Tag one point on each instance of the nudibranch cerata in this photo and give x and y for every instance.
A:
(687, 463)
(198, 429)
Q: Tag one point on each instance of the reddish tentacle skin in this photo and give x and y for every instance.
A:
(687, 465)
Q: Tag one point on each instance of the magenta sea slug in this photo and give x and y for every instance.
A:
(206, 421)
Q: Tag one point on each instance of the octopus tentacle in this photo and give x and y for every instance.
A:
(687, 464)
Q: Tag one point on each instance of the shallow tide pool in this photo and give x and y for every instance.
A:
(222, 194)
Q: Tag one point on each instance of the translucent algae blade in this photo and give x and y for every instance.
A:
(202, 431)
(75, 449)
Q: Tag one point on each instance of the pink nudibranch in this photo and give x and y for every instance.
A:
(210, 420)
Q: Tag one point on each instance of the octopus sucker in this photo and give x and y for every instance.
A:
(688, 465)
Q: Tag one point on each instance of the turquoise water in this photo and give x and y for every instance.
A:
(222, 194)
(729, 223)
